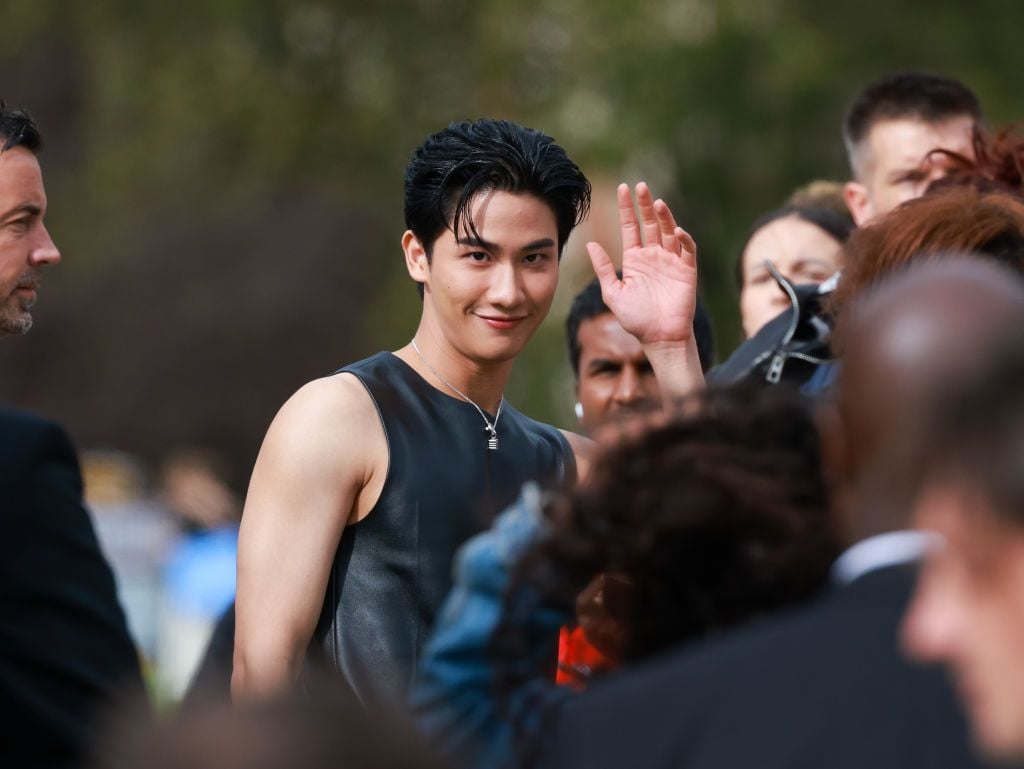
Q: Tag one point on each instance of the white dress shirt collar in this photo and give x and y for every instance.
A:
(881, 550)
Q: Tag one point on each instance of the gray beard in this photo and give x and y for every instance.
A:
(15, 321)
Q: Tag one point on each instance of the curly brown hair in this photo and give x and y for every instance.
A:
(714, 518)
(998, 159)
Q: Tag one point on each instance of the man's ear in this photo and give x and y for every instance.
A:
(416, 261)
(859, 202)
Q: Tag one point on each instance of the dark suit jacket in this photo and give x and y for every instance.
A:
(823, 687)
(211, 682)
(64, 643)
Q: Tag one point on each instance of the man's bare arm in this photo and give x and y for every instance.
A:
(305, 488)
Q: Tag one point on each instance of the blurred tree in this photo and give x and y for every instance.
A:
(225, 175)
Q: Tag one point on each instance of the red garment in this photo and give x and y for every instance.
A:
(578, 659)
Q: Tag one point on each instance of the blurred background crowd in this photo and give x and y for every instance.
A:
(224, 182)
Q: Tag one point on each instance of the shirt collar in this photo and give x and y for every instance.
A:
(877, 552)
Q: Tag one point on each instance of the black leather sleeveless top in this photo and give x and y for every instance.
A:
(443, 485)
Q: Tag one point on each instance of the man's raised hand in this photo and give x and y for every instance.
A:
(657, 295)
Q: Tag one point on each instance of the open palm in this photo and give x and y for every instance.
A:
(657, 295)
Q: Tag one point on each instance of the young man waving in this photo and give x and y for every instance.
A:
(370, 479)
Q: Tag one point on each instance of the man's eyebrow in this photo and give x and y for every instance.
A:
(537, 244)
(602, 363)
(809, 260)
(474, 241)
(908, 172)
(25, 208)
(477, 242)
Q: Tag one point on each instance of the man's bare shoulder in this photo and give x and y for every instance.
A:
(323, 415)
(583, 449)
(338, 397)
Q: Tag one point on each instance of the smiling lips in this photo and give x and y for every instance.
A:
(501, 322)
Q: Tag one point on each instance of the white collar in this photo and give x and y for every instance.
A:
(881, 550)
(829, 284)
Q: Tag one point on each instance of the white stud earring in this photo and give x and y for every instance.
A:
(578, 408)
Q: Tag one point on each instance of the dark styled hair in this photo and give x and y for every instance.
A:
(712, 519)
(972, 432)
(831, 222)
(18, 129)
(916, 95)
(456, 164)
(588, 304)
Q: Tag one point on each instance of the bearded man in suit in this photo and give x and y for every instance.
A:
(64, 643)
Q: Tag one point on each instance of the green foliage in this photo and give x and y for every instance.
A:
(194, 121)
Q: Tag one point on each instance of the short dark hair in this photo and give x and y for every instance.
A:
(918, 95)
(454, 165)
(833, 223)
(588, 304)
(18, 129)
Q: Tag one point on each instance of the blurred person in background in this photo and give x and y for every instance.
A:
(369, 480)
(825, 685)
(199, 570)
(980, 210)
(821, 193)
(708, 521)
(65, 650)
(902, 133)
(136, 531)
(804, 245)
(325, 728)
(612, 376)
(172, 549)
(787, 266)
(968, 608)
(973, 206)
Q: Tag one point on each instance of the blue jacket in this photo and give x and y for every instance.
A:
(455, 699)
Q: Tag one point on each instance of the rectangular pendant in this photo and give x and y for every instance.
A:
(492, 443)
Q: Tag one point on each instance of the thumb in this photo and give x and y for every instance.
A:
(605, 270)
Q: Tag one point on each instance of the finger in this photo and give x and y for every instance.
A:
(604, 269)
(648, 219)
(666, 226)
(627, 219)
(688, 243)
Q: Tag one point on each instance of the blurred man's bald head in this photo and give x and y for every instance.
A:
(900, 341)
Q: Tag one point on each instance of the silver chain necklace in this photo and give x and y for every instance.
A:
(491, 428)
